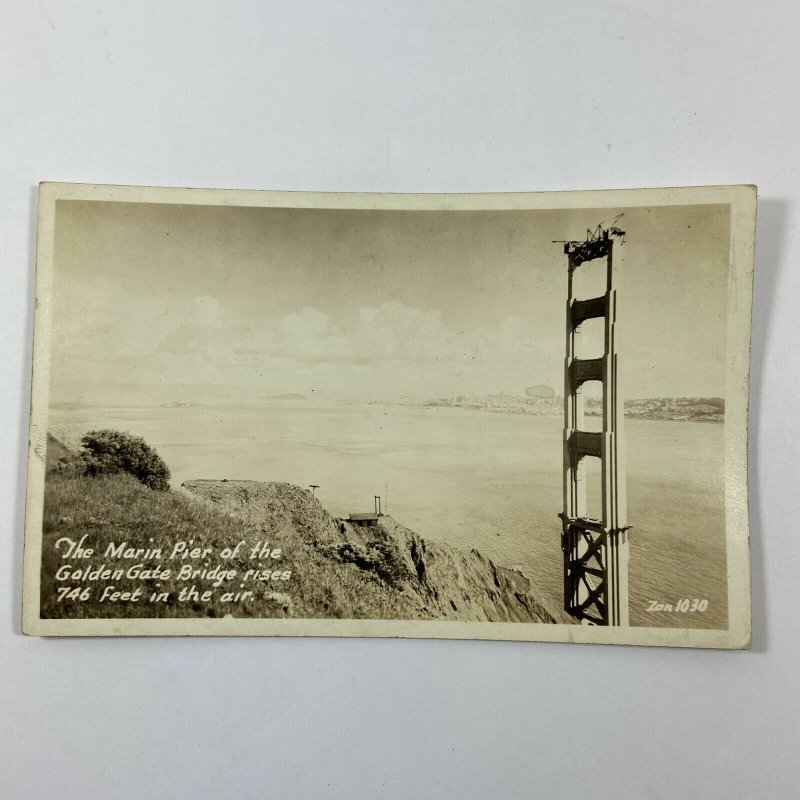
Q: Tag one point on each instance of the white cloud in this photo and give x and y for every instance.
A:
(391, 348)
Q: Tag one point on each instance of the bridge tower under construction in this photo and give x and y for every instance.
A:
(595, 550)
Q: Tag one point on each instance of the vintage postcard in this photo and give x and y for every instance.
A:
(497, 416)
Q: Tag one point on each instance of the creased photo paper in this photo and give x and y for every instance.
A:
(493, 416)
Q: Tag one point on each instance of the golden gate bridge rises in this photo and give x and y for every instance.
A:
(595, 550)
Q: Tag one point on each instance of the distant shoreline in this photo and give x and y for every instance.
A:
(715, 418)
(635, 409)
(677, 409)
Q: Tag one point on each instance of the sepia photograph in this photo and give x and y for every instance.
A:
(468, 416)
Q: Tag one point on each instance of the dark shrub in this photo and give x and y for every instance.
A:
(379, 557)
(113, 451)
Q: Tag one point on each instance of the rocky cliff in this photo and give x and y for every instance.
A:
(430, 580)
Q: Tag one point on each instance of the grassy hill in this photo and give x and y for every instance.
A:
(337, 571)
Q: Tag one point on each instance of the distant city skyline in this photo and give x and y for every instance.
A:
(152, 300)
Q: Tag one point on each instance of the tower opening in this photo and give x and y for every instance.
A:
(590, 338)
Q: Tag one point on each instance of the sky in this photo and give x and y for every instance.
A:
(158, 303)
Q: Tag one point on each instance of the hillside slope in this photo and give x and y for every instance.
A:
(440, 581)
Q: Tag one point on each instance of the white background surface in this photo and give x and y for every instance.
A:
(407, 96)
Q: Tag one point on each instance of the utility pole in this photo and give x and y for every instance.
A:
(595, 551)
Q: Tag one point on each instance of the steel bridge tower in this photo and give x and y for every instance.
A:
(595, 550)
